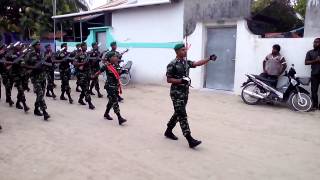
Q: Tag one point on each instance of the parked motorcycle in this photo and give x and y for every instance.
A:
(258, 89)
(125, 75)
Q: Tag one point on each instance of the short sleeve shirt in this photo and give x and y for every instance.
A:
(274, 64)
(312, 55)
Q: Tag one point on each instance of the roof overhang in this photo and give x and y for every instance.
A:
(129, 4)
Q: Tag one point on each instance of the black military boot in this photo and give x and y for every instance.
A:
(37, 112)
(121, 119)
(106, 113)
(120, 99)
(25, 107)
(70, 98)
(99, 94)
(80, 101)
(18, 105)
(10, 102)
(192, 142)
(77, 88)
(46, 116)
(53, 95)
(48, 94)
(62, 96)
(91, 106)
(169, 134)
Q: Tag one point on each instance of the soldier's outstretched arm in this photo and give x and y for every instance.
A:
(205, 61)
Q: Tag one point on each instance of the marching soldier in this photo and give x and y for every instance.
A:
(178, 76)
(82, 63)
(112, 86)
(2, 54)
(118, 67)
(35, 61)
(16, 62)
(73, 55)
(95, 67)
(65, 72)
(50, 71)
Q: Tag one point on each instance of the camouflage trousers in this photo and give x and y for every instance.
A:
(65, 76)
(113, 94)
(39, 85)
(180, 100)
(95, 84)
(25, 81)
(18, 83)
(50, 80)
(84, 81)
(8, 83)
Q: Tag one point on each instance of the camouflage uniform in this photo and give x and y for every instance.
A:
(16, 78)
(84, 78)
(119, 69)
(8, 77)
(179, 94)
(38, 78)
(50, 73)
(95, 67)
(65, 74)
(112, 88)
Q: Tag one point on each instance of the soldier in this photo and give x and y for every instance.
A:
(118, 67)
(2, 54)
(65, 71)
(82, 63)
(16, 62)
(25, 75)
(34, 61)
(50, 71)
(112, 86)
(178, 75)
(95, 67)
(73, 54)
(8, 76)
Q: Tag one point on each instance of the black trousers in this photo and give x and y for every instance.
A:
(315, 82)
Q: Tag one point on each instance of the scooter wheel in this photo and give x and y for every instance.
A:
(302, 103)
(248, 99)
(125, 79)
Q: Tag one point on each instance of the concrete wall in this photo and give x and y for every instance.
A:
(213, 10)
(251, 50)
(152, 24)
(312, 23)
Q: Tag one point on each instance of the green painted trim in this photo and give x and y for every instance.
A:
(96, 28)
(92, 38)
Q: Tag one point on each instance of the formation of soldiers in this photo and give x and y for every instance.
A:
(19, 63)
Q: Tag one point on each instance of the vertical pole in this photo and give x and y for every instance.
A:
(80, 29)
(74, 32)
(54, 23)
(61, 37)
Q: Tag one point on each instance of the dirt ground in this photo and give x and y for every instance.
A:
(240, 142)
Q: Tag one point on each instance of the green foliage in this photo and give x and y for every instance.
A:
(32, 18)
(300, 6)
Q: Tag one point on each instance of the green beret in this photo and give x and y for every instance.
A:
(63, 44)
(179, 46)
(111, 54)
(35, 42)
(94, 43)
(113, 43)
(83, 44)
(78, 44)
(47, 45)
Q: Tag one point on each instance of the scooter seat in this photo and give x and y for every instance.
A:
(266, 80)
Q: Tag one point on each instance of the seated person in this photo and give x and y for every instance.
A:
(274, 65)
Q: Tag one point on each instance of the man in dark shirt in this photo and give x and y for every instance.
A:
(313, 59)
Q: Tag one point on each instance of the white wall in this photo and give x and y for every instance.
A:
(154, 24)
(251, 50)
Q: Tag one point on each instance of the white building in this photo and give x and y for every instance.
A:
(151, 28)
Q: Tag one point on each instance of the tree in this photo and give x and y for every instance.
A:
(300, 6)
(33, 17)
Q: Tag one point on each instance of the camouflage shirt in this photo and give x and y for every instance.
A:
(65, 64)
(178, 69)
(111, 81)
